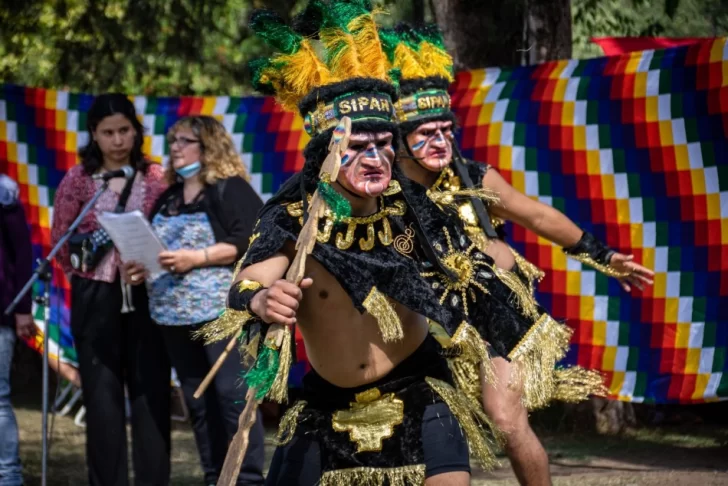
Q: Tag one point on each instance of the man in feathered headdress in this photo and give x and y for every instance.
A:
(525, 341)
(379, 406)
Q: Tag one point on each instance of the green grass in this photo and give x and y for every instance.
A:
(662, 456)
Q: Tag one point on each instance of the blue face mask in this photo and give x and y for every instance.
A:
(189, 170)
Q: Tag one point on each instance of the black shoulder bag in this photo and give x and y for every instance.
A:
(88, 249)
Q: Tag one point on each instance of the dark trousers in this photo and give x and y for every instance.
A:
(116, 349)
(215, 415)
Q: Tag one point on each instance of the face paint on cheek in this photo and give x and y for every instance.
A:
(418, 145)
(344, 159)
(386, 155)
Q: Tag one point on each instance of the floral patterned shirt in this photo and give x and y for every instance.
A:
(196, 296)
(76, 189)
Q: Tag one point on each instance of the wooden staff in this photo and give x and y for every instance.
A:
(304, 246)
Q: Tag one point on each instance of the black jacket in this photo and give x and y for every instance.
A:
(231, 204)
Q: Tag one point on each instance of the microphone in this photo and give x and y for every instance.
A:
(125, 172)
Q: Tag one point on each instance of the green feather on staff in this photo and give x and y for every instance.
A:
(269, 375)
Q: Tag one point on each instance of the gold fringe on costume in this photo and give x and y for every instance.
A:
(467, 357)
(535, 358)
(288, 424)
(524, 297)
(477, 426)
(369, 476)
(531, 271)
(279, 390)
(574, 384)
(605, 269)
(379, 307)
(229, 323)
(467, 376)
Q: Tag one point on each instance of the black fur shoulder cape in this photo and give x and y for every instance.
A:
(358, 271)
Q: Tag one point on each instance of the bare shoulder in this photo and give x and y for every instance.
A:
(493, 180)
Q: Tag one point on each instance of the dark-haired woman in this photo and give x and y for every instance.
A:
(116, 340)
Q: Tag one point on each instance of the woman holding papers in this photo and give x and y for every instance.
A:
(205, 219)
(115, 337)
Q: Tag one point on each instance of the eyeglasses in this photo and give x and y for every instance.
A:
(182, 142)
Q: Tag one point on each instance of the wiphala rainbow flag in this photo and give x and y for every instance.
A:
(633, 148)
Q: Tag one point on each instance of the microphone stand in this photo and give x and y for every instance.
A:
(44, 273)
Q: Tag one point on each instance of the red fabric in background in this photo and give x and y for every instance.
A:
(613, 46)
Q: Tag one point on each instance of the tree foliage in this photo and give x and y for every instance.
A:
(639, 18)
(139, 46)
(181, 47)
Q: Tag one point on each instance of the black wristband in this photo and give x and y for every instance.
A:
(242, 293)
(593, 248)
(594, 253)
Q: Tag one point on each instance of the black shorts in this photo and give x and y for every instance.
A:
(427, 440)
(445, 448)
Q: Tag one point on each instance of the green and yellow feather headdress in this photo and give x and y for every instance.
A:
(426, 71)
(349, 75)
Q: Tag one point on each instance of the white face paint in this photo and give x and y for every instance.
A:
(366, 166)
(375, 191)
(431, 144)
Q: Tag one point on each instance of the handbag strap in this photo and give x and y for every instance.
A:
(124, 197)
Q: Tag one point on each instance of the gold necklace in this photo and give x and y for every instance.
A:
(344, 240)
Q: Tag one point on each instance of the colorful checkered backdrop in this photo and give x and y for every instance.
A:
(632, 148)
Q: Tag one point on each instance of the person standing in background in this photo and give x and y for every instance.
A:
(16, 267)
(116, 339)
(205, 219)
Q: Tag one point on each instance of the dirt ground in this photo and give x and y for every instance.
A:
(695, 455)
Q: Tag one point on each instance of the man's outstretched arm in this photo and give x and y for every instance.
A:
(555, 226)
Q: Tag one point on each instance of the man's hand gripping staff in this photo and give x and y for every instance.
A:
(269, 376)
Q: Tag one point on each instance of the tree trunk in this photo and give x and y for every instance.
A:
(504, 32)
(600, 415)
(483, 33)
(549, 30)
(418, 12)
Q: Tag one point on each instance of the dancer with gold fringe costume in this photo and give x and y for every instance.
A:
(524, 340)
(380, 405)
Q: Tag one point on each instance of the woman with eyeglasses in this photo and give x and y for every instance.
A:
(119, 347)
(205, 220)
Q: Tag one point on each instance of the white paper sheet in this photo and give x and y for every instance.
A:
(134, 237)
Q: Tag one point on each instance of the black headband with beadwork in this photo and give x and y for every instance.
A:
(357, 106)
(423, 104)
